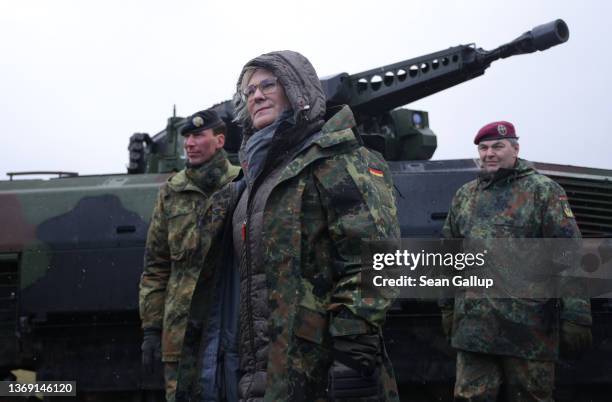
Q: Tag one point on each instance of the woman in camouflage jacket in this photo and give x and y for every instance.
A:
(311, 194)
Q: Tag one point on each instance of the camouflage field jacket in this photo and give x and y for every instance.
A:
(330, 197)
(177, 242)
(519, 203)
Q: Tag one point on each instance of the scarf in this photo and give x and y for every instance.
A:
(206, 176)
(253, 155)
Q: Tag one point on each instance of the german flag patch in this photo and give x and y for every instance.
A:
(567, 211)
(376, 172)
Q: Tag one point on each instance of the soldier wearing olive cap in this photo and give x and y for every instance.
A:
(510, 341)
(177, 243)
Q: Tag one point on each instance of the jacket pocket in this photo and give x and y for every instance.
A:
(310, 325)
(183, 235)
(509, 227)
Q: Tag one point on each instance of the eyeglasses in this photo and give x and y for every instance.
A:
(266, 87)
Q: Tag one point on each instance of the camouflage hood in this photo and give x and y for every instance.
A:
(299, 80)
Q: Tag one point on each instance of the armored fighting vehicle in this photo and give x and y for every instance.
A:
(71, 248)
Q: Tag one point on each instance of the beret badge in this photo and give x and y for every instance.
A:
(496, 130)
(197, 121)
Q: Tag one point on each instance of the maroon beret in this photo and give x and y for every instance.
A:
(495, 131)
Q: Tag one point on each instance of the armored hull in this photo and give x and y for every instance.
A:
(71, 254)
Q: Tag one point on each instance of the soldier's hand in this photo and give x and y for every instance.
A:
(447, 322)
(575, 338)
(151, 349)
(355, 372)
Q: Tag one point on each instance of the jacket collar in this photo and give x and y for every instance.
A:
(180, 182)
(336, 136)
(522, 168)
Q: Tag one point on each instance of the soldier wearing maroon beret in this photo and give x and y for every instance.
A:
(498, 146)
(496, 131)
(495, 343)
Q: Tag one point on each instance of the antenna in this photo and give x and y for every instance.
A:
(174, 110)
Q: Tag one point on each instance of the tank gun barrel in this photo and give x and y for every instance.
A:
(540, 38)
(372, 95)
(385, 88)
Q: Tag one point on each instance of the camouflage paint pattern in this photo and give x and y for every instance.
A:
(77, 245)
(29, 204)
(515, 203)
(177, 243)
(479, 377)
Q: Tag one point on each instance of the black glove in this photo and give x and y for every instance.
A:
(355, 372)
(151, 349)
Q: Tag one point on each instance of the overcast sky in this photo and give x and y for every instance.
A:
(77, 78)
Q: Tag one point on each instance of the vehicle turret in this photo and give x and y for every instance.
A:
(374, 96)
